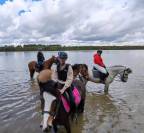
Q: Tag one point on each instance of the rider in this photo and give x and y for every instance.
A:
(99, 65)
(40, 59)
(63, 73)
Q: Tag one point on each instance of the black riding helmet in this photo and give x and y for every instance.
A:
(39, 49)
(62, 55)
(99, 51)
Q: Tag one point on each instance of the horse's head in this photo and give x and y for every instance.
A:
(48, 63)
(54, 59)
(76, 70)
(84, 75)
(84, 71)
(124, 74)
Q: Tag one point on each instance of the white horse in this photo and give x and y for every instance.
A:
(114, 71)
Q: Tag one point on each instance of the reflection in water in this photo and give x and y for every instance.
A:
(99, 113)
(119, 112)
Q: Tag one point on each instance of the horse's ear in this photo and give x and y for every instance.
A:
(129, 70)
(53, 57)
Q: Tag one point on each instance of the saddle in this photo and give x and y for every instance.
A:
(39, 67)
(98, 74)
(71, 98)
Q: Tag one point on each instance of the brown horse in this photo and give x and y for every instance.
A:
(47, 65)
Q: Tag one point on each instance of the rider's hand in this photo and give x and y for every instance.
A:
(62, 91)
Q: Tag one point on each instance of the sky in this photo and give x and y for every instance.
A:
(72, 22)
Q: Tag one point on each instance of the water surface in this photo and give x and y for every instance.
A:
(121, 111)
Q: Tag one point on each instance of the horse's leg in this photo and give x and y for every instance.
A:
(42, 105)
(73, 113)
(48, 98)
(67, 126)
(31, 70)
(53, 109)
(83, 96)
(106, 88)
(81, 106)
(42, 102)
(32, 73)
(55, 126)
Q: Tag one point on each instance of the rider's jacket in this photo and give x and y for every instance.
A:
(63, 75)
(98, 60)
(40, 58)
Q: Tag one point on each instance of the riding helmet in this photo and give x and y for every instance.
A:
(62, 55)
(99, 51)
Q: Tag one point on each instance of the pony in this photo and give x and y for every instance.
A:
(53, 101)
(47, 65)
(114, 71)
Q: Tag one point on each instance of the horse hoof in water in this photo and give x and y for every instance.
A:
(41, 126)
(47, 129)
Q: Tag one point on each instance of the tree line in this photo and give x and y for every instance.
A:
(33, 47)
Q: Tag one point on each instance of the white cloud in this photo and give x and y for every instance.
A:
(65, 21)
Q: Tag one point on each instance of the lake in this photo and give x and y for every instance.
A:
(121, 111)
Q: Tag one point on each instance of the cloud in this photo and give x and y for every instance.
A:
(63, 21)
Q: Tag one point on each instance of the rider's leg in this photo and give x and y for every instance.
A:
(100, 68)
(103, 72)
(106, 88)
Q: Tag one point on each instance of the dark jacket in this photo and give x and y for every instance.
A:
(62, 74)
(40, 58)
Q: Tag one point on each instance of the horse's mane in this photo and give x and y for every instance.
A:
(50, 59)
(117, 66)
(77, 66)
(86, 66)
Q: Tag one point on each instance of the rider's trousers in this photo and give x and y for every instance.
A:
(101, 69)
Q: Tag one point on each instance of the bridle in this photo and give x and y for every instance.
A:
(123, 75)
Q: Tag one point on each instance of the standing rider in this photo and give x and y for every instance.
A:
(40, 59)
(99, 65)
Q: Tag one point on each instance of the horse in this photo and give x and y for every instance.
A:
(114, 71)
(50, 93)
(47, 65)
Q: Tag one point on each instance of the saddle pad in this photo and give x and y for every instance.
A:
(76, 95)
(65, 104)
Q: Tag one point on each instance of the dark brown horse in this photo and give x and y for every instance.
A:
(47, 65)
(61, 116)
(53, 107)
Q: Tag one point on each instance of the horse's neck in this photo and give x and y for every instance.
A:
(82, 79)
(48, 63)
(115, 70)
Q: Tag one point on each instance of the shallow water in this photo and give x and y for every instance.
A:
(121, 111)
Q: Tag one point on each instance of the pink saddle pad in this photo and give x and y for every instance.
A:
(65, 104)
(77, 96)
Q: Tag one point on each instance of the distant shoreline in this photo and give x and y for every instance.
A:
(65, 48)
